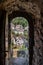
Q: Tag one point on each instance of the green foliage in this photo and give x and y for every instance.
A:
(20, 20)
(17, 34)
(26, 35)
(23, 47)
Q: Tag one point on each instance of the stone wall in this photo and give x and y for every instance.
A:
(33, 8)
(37, 56)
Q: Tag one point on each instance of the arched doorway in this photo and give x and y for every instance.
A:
(30, 19)
(28, 7)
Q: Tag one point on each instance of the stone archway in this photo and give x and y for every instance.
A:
(33, 9)
(31, 21)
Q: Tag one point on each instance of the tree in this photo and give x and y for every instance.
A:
(20, 20)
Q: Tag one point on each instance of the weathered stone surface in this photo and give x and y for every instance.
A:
(34, 7)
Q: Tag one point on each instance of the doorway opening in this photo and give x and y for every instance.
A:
(20, 16)
(20, 41)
